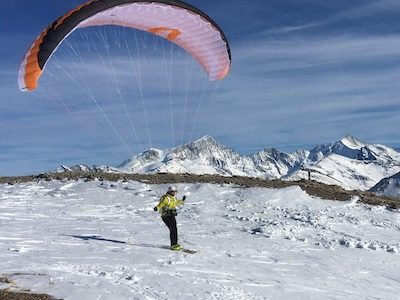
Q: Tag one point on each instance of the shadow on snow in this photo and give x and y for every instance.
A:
(101, 239)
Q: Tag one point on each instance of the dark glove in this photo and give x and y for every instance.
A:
(184, 198)
(155, 208)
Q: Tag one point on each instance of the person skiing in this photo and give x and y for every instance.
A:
(167, 207)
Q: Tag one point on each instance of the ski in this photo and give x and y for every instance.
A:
(188, 251)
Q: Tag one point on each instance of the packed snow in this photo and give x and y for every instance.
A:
(102, 240)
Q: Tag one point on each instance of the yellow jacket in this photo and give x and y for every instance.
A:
(168, 202)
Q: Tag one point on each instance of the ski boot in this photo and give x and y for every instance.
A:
(176, 247)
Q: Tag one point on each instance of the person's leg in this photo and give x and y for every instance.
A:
(174, 231)
(169, 222)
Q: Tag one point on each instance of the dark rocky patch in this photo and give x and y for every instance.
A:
(10, 295)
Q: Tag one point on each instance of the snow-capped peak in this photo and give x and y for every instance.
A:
(63, 168)
(205, 139)
(352, 143)
(202, 156)
(349, 147)
(203, 146)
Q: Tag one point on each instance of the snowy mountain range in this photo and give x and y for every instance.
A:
(85, 168)
(349, 163)
(207, 156)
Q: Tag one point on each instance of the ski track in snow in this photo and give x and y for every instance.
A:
(102, 240)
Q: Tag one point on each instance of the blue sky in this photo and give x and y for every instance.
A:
(304, 73)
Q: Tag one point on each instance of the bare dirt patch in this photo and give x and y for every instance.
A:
(11, 295)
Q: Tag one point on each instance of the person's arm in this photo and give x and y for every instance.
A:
(160, 205)
(180, 202)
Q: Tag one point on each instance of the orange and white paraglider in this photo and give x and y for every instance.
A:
(174, 20)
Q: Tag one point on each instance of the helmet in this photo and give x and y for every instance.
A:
(172, 188)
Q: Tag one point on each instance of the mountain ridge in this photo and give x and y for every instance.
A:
(349, 162)
(389, 186)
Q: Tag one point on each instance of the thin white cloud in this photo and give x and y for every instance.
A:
(290, 29)
(369, 9)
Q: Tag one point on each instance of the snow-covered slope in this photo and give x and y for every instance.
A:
(349, 163)
(348, 173)
(388, 186)
(275, 163)
(100, 240)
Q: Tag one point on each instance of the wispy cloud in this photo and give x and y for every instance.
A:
(352, 13)
(290, 29)
(369, 9)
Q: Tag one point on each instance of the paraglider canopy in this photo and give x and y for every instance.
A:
(174, 20)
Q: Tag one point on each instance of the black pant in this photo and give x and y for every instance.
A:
(170, 221)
